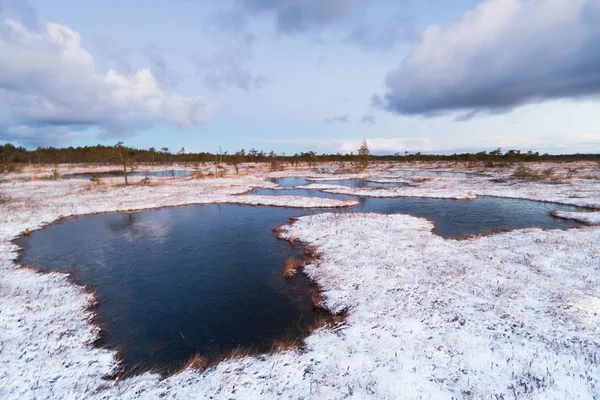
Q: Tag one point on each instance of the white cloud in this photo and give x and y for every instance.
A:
(48, 81)
(500, 55)
(585, 142)
(582, 142)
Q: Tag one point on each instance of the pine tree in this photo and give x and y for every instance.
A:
(364, 155)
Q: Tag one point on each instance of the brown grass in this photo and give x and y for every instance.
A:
(197, 363)
(420, 179)
(202, 363)
(53, 176)
(287, 343)
(291, 267)
(329, 321)
(317, 299)
(238, 352)
(310, 255)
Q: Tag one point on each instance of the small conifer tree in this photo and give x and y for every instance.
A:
(364, 155)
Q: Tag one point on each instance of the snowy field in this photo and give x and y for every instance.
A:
(504, 316)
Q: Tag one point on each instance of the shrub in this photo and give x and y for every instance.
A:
(524, 173)
(547, 173)
(54, 176)
(275, 164)
(10, 167)
(95, 179)
(571, 172)
(527, 174)
(220, 171)
(197, 175)
(495, 164)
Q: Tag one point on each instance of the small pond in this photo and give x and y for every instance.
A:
(119, 173)
(174, 282)
(455, 218)
(206, 279)
(354, 182)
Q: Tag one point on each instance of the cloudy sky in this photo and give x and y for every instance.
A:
(298, 75)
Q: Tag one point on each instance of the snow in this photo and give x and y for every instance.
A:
(441, 193)
(45, 201)
(509, 315)
(580, 192)
(592, 218)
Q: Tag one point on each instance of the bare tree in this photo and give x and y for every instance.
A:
(152, 151)
(123, 154)
(219, 168)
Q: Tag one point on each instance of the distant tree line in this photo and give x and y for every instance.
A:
(10, 154)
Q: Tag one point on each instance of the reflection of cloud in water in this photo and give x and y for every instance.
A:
(123, 223)
(133, 225)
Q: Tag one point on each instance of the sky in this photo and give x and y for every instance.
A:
(433, 76)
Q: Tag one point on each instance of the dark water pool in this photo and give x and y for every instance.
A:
(117, 174)
(301, 192)
(354, 183)
(206, 279)
(290, 182)
(361, 183)
(175, 282)
(455, 218)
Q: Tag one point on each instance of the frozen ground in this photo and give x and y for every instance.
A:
(592, 218)
(578, 192)
(512, 315)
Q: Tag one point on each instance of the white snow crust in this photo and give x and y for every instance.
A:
(510, 315)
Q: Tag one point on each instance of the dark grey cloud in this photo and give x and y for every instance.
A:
(293, 16)
(116, 53)
(383, 35)
(367, 25)
(498, 58)
(228, 69)
(233, 23)
(368, 119)
(21, 11)
(159, 65)
(338, 119)
(34, 136)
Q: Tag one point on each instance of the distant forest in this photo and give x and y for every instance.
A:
(10, 154)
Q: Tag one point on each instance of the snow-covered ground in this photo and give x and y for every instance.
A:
(36, 203)
(580, 192)
(592, 218)
(511, 315)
